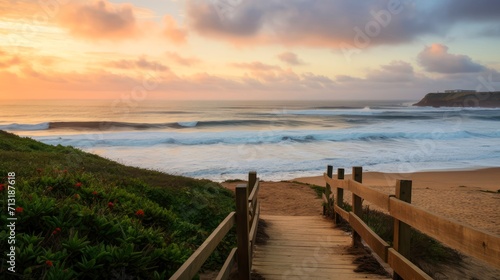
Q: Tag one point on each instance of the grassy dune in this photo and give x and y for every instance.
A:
(83, 216)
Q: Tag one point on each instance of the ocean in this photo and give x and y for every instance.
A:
(221, 140)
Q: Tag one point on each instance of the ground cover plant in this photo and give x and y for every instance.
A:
(81, 216)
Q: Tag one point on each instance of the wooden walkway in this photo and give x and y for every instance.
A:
(305, 247)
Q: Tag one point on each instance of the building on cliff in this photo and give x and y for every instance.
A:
(460, 90)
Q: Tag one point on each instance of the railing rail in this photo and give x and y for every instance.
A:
(470, 241)
(246, 220)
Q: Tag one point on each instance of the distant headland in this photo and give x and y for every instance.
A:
(461, 98)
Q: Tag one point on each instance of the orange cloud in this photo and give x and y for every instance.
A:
(256, 66)
(290, 58)
(99, 20)
(186, 61)
(7, 61)
(141, 63)
(436, 58)
(173, 32)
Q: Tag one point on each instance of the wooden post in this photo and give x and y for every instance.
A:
(242, 232)
(357, 203)
(328, 208)
(340, 195)
(402, 232)
(252, 178)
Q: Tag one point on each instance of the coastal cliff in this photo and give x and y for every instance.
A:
(461, 99)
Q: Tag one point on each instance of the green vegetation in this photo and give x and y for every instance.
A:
(319, 190)
(86, 217)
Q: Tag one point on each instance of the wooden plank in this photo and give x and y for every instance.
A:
(470, 241)
(303, 272)
(357, 204)
(225, 271)
(328, 191)
(340, 196)
(375, 197)
(255, 191)
(253, 232)
(335, 183)
(377, 244)
(404, 268)
(317, 262)
(242, 232)
(252, 178)
(253, 228)
(297, 250)
(344, 214)
(190, 268)
(402, 231)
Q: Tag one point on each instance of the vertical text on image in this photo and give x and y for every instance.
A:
(11, 224)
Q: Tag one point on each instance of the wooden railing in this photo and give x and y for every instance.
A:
(469, 241)
(246, 219)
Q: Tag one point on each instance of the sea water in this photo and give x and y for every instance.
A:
(222, 140)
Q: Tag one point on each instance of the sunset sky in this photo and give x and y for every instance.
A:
(247, 49)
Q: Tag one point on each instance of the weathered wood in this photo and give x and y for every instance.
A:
(342, 213)
(404, 268)
(242, 232)
(336, 183)
(190, 268)
(375, 197)
(357, 203)
(225, 271)
(305, 252)
(377, 244)
(252, 178)
(252, 204)
(469, 241)
(253, 195)
(253, 231)
(401, 230)
(328, 190)
(340, 195)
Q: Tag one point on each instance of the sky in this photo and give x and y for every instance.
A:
(247, 49)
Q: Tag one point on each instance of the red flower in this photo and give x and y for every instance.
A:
(94, 193)
(56, 231)
(79, 184)
(77, 196)
(65, 171)
(19, 209)
(111, 205)
(49, 263)
(2, 186)
(139, 213)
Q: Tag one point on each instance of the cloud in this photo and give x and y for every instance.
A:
(186, 61)
(323, 23)
(290, 58)
(396, 71)
(99, 20)
(256, 66)
(435, 58)
(490, 31)
(173, 32)
(462, 10)
(333, 23)
(140, 63)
